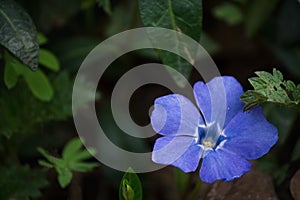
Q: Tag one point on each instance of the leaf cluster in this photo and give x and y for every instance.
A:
(21, 183)
(271, 88)
(73, 159)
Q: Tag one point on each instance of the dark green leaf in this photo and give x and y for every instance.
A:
(228, 12)
(283, 118)
(259, 11)
(18, 33)
(48, 59)
(10, 75)
(21, 182)
(252, 99)
(130, 187)
(181, 15)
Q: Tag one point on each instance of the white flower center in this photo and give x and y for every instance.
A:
(208, 143)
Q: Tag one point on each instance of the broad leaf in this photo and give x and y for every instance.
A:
(18, 33)
(37, 81)
(130, 187)
(39, 84)
(49, 60)
(181, 15)
(10, 76)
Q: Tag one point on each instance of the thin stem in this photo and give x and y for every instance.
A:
(196, 190)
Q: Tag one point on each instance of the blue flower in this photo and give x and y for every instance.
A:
(224, 146)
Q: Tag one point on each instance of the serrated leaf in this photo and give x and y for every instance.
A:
(259, 11)
(257, 83)
(277, 75)
(252, 99)
(130, 187)
(271, 88)
(49, 60)
(21, 182)
(18, 33)
(181, 15)
(228, 12)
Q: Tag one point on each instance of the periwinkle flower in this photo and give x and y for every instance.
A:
(225, 146)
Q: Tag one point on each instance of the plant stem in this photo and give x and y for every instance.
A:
(196, 190)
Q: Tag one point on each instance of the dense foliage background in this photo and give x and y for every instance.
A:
(42, 46)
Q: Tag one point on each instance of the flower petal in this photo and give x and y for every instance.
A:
(249, 134)
(223, 165)
(175, 115)
(205, 93)
(179, 151)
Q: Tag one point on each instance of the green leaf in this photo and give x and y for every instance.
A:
(48, 59)
(73, 146)
(39, 84)
(72, 160)
(45, 164)
(42, 39)
(37, 80)
(271, 88)
(21, 182)
(228, 12)
(181, 15)
(283, 119)
(10, 75)
(64, 176)
(33, 111)
(105, 4)
(18, 33)
(130, 187)
(55, 161)
(82, 167)
(259, 11)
